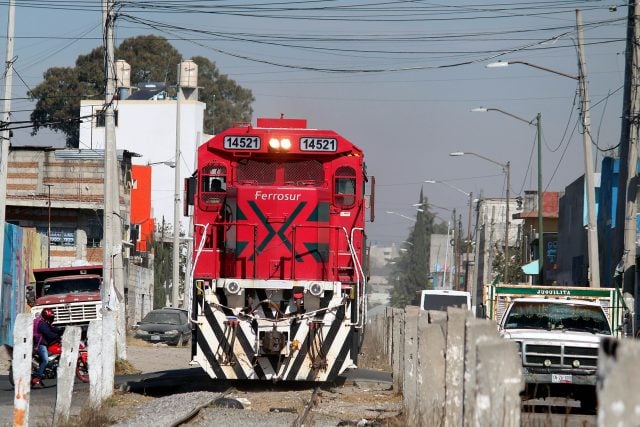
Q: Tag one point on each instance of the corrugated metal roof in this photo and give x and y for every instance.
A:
(89, 154)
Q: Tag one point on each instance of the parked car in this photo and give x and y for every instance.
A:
(168, 325)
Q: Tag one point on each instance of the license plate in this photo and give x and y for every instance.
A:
(157, 338)
(561, 379)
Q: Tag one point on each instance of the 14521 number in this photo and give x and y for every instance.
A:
(318, 144)
(242, 142)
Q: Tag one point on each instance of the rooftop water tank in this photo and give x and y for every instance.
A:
(188, 74)
(123, 73)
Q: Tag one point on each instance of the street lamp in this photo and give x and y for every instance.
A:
(169, 163)
(470, 195)
(506, 167)
(592, 225)
(403, 216)
(538, 120)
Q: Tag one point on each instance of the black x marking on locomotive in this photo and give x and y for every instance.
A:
(271, 232)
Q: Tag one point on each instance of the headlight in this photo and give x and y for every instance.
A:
(172, 332)
(232, 287)
(315, 289)
(547, 363)
(576, 363)
(141, 332)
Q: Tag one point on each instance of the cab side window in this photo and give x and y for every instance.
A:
(345, 187)
(213, 183)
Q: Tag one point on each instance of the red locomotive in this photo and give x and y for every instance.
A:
(279, 283)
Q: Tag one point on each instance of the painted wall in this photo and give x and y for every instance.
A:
(149, 129)
(24, 250)
(141, 205)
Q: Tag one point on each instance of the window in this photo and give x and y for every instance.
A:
(94, 232)
(345, 187)
(100, 119)
(63, 236)
(214, 183)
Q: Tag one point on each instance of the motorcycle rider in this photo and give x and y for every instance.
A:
(44, 334)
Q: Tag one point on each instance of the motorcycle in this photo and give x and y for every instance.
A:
(51, 371)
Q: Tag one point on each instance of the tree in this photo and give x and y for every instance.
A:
(227, 103)
(161, 269)
(152, 58)
(515, 271)
(412, 268)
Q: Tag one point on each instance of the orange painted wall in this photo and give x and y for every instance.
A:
(141, 204)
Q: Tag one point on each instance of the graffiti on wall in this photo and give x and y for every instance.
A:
(24, 250)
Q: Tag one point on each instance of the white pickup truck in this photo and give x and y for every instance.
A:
(558, 339)
(558, 329)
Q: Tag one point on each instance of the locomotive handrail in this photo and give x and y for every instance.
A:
(363, 299)
(193, 267)
(352, 252)
(358, 270)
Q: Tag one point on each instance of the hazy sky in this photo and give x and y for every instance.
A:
(397, 78)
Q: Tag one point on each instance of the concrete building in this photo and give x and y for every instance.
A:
(490, 239)
(380, 256)
(146, 124)
(530, 232)
(573, 259)
(71, 180)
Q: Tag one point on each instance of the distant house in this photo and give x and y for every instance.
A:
(69, 182)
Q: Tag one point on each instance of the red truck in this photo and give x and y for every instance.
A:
(73, 293)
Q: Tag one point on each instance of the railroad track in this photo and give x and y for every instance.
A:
(191, 415)
(299, 422)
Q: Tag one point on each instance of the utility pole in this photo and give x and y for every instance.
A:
(592, 225)
(540, 204)
(468, 245)
(459, 244)
(506, 227)
(175, 295)
(454, 254)
(111, 237)
(446, 257)
(628, 177)
(5, 133)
